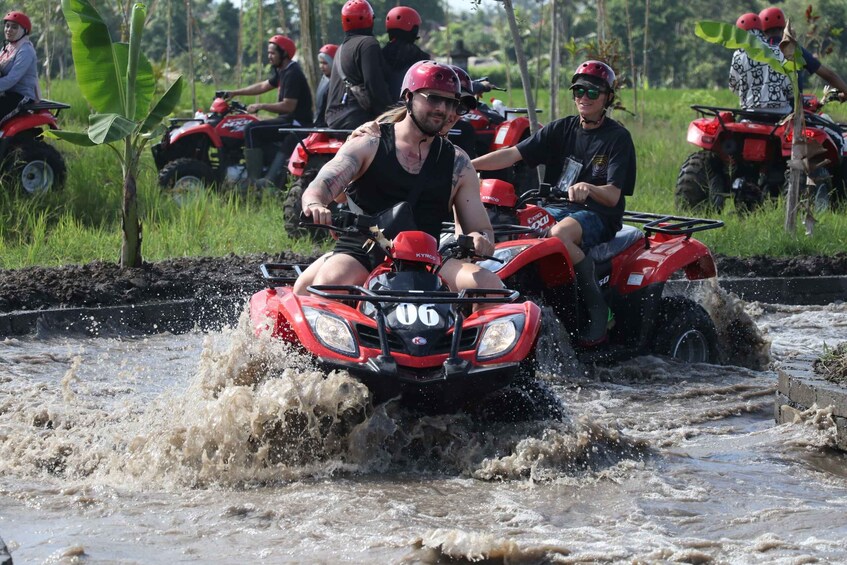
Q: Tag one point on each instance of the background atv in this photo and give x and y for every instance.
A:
(745, 157)
(632, 270)
(205, 150)
(30, 161)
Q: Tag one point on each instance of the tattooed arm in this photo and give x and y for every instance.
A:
(472, 219)
(351, 161)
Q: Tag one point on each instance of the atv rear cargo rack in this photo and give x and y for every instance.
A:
(752, 115)
(670, 225)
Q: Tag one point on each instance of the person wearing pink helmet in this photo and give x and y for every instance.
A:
(18, 65)
(592, 158)
(757, 85)
(402, 24)
(264, 144)
(773, 23)
(325, 58)
(358, 90)
(408, 162)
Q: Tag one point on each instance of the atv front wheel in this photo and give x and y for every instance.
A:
(37, 167)
(185, 177)
(292, 208)
(685, 332)
(702, 185)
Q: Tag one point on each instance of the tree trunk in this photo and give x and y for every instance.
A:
(522, 65)
(45, 38)
(260, 41)
(130, 224)
(308, 31)
(601, 22)
(644, 48)
(631, 57)
(239, 62)
(554, 58)
(190, 39)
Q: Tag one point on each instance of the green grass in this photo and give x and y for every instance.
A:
(82, 223)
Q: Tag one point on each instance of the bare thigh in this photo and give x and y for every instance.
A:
(459, 275)
(331, 269)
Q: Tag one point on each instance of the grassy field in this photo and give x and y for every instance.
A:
(82, 223)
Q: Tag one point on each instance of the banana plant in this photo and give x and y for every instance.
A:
(802, 154)
(118, 82)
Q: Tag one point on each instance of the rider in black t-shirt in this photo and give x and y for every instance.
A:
(409, 162)
(293, 105)
(593, 158)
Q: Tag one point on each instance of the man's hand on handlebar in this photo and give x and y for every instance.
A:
(579, 192)
(318, 212)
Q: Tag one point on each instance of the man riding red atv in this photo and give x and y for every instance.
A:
(632, 270)
(745, 156)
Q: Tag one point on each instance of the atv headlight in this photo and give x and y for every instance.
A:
(332, 331)
(505, 254)
(499, 337)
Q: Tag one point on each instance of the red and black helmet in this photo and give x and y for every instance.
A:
(598, 70)
(19, 18)
(749, 21)
(772, 17)
(467, 97)
(416, 247)
(402, 17)
(432, 75)
(357, 14)
(286, 45)
(329, 49)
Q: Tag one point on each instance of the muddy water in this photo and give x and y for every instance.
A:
(220, 448)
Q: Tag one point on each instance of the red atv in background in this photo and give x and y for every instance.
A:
(204, 150)
(311, 154)
(632, 271)
(404, 333)
(30, 161)
(745, 156)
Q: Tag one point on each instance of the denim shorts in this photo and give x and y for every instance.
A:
(594, 230)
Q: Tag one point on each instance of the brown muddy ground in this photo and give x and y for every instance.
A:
(104, 284)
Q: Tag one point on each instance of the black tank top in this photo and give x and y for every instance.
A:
(387, 183)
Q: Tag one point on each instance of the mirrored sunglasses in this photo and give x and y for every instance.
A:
(593, 93)
(434, 100)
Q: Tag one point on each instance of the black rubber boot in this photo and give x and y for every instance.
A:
(592, 297)
(253, 163)
(272, 177)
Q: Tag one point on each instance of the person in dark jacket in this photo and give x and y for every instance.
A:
(325, 57)
(402, 24)
(358, 91)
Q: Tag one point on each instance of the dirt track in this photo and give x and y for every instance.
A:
(104, 284)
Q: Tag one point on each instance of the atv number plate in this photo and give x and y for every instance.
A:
(408, 314)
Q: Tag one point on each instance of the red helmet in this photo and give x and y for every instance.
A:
(329, 49)
(285, 44)
(749, 21)
(19, 18)
(357, 14)
(598, 70)
(467, 96)
(497, 192)
(429, 74)
(402, 17)
(772, 17)
(415, 246)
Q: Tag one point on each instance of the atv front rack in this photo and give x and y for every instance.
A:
(448, 228)
(670, 225)
(377, 297)
(276, 274)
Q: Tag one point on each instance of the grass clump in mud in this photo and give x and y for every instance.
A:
(833, 363)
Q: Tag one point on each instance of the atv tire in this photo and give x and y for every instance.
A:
(685, 332)
(292, 208)
(37, 168)
(185, 177)
(702, 185)
(524, 400)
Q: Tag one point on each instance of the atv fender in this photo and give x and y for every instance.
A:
(26, 122)
(548, 255)
(510, 132)
(659, 263)
(200, 129)
(266, 314)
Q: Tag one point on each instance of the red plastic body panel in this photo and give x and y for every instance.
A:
(317, 143)
(510, 132)
(29, 121)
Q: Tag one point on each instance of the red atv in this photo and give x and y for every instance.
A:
(37, 166)
(745, 157)
(306, 160)
(404, 333)
(204, 150)
(632, 271)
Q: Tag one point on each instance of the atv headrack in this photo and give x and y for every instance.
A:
(670, 225)
(280, 273)
(377, 297)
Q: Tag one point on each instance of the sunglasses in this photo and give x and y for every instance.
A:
(451, 103)
(593, 93)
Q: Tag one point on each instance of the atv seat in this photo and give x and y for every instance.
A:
(625, 237)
